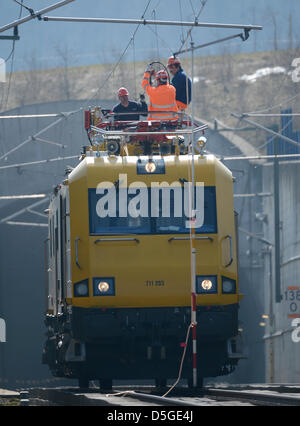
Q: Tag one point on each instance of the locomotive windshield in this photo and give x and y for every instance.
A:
(113, 221)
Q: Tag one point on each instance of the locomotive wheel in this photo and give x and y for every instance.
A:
(199, 383)
(161, 383)
(83, 382)
(105, 384)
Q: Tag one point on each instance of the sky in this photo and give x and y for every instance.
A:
(45, 44)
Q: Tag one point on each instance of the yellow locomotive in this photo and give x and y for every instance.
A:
(119, 282)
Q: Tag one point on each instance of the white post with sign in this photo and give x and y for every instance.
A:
(2, 331)
(2, 70)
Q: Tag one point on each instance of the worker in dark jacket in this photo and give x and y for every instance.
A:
(127, 106)
(181, 82)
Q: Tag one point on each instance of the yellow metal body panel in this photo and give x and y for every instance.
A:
(154, 259)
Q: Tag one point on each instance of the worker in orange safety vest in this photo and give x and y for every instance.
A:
(162, 97)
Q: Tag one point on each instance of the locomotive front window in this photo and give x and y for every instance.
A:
(178, 225)
(113, 224)
(165, 219)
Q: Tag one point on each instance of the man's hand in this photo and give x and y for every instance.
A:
(150, 69)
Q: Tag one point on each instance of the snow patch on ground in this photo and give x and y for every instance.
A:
(262, 72)
(197, 79)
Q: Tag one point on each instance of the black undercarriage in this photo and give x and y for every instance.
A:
(139, 343)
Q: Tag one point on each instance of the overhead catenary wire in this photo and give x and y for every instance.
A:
(151, 22)
(21, 197)
(11, 117)
(275, 136)
(121, 57)
(163, 41)
(34, 15)
(39, 225)
(156, 34)
(24, 6)
(203, 4)
(11, 55)
(232, 158)
(284, 102)
(181, 18)
(200, 46)
(24, 210)
(294, 114)
(259, 157)
(259, 126)
(35, 137)
(87, 102)
(38, 162)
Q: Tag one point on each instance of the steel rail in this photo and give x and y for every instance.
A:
(160, 400)
(79, 397)
(255, 396)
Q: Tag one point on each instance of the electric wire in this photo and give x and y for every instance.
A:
(98, 90)
(181, 19)
(203, 4)
(156, 34)
(193, 9)
(181, 362)
(163, 41)
(286, 101)
(121, 57)
(30, 10)
(274, 137)
(134, 70)
(12, 56)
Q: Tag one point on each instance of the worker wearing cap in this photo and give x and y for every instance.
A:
(162, 97)
(129, 107)
(181, 82)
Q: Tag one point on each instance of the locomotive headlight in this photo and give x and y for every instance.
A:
(228, 286)
(200, 144)
(150, 167)
(81, 289)
(104, 286)
(112, 146)
(207, 284)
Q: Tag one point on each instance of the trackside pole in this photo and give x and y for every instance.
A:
(193, 235)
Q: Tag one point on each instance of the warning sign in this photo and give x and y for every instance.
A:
(292, 298)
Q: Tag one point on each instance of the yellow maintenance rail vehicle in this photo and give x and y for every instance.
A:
(119, 281)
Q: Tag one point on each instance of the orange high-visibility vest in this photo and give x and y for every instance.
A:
(162, 98)
(181, 105)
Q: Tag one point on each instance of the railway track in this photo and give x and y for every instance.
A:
(263, 395)
(287, 395)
